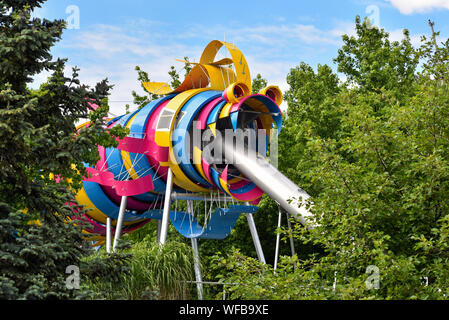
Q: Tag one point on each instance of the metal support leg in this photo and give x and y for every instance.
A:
(167, 203)
(108, 235)
(196, 256)
(278, 241)
(292, 243)
(121, 216)
(158, 232)
(254, 234)
(196, 259)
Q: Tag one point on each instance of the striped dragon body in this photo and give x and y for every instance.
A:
(176, 132)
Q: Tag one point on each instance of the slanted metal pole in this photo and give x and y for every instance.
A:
(256, 240)
(198, 197)
(292, 243)
(196, 257)
(196, 260)
(121, 216)
(167, 203)
(108, 235)
(278, 241)
(158, 231)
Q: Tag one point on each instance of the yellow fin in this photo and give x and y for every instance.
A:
(213, 126)
(157, 87)
(223, 62)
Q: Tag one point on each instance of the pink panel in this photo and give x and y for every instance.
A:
(110, 192)
(202, 119)
(158, 154)
(256, 202)
(206, 169)
(134, 187)
(104, 178)
(129, 144)
(93, 105)
(251, 195)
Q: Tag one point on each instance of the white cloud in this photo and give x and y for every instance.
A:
(343, 27)
(398, 35)
(420, 6)
(109, 51)
(274, 34)
(105, 51)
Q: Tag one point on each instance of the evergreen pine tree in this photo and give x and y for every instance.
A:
(38, 142)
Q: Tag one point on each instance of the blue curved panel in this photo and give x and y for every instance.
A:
(137, 129)
(273, 108)
(114, 120)
(115, 165)
(104, 204)
(220, 224)
(216, 179)
(246, 188)
(181, 139)
(213, 116)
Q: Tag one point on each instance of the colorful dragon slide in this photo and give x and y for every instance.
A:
(178, 146)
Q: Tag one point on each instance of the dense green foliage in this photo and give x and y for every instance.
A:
(373, 153)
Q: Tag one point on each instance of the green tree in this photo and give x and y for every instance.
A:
(371, 62)
(258, 83)
(143, 76)
(37, 140)
(373, 154)
(142, 100)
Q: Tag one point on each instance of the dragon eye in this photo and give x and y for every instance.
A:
(274, 93)
(234, 92)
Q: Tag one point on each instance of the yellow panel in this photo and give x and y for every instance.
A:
(179, 178)
(202, 75)
(196, 79)
(213, 128)
(220, 77)
(223, 62)
(235, 179)
(157, 87)
(83, 199)
(225, 111)
(162, 137)
(225, 188)
(210, 72)
(125, 155)
(240, 64)
(83, 125)
(197, 157)
(276, 91)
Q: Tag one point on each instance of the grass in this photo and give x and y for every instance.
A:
(152, 271)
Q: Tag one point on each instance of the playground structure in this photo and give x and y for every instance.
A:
(207, 140)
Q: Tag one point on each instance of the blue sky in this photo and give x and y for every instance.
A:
(113, 36)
